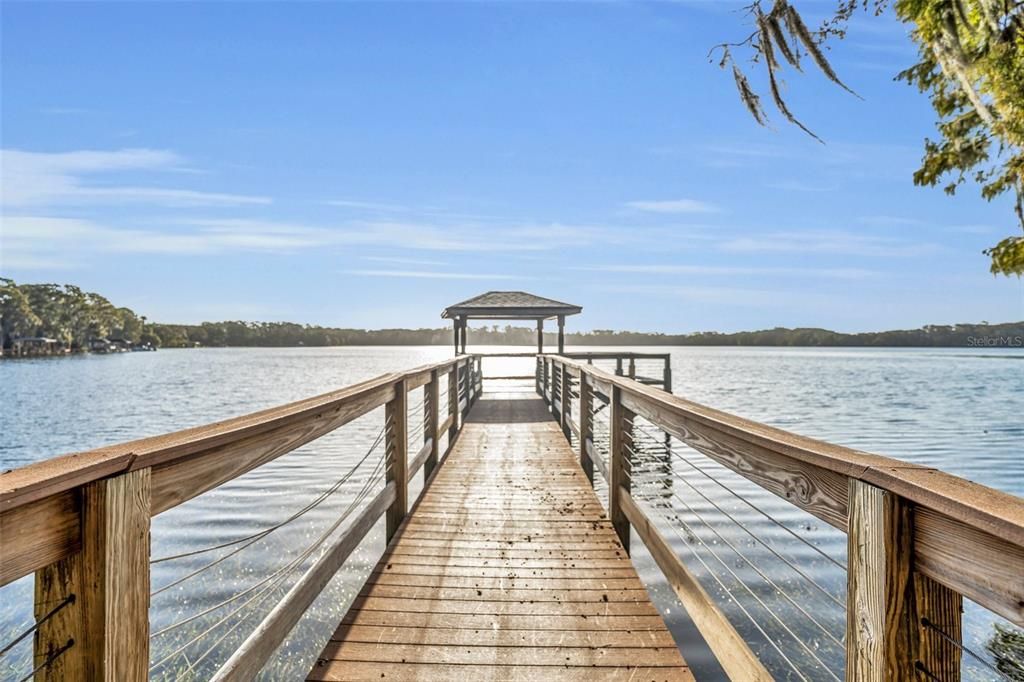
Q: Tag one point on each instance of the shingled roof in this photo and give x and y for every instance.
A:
(496, 305)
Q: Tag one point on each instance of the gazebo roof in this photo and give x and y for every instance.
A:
(510, 305)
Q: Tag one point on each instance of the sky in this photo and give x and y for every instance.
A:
(366, 164)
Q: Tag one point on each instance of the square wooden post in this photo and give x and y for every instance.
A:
(632, 368)
(561, 334)
(565, 411)
(397, 456)
(465, 333)
(453, 403)
(618, 465)
(586, 426)
(888, 606)
(556, 382)
(540, 336)
(431, 408)
(104, 626)
(455, 333)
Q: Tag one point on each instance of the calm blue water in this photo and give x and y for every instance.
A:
(957, 409)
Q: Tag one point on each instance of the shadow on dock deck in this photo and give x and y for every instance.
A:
(507, 568)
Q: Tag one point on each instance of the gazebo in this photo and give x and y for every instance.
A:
(509, 305)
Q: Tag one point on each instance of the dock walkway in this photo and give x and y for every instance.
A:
(507, 568)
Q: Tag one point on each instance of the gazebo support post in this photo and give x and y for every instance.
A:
(540, 336)
(561, 334)
(465, 333)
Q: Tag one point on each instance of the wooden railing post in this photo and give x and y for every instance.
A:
(479, 376)
(453, 403)
(618, 465)
(547, 381)
(586, 426)
(397, 456)
(618, 367)
(104, 625)
(632, 368)
(431, 404)
(556, 385)
(565, 411)
(467, 388)
(666, 378)
(537, 375)
(888, 606)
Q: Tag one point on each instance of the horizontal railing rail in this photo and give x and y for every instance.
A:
(81, 522)
(919, 539)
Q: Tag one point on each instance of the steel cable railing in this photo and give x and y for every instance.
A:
(765, 514)
(259, 535)
(641, 450)
(373, 475)
(840, 603)
(67, 601)
(1017, 674)
(836, 640)
(364, 493)
(256, 537)
(48, 661)
(275, 579)
(732, 597)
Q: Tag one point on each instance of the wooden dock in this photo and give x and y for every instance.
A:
(508, 568)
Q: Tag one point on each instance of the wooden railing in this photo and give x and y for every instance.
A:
(81, 523)
(919, 540)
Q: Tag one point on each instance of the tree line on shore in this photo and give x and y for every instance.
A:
(74, 317)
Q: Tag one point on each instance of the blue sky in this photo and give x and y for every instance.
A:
(365, 164)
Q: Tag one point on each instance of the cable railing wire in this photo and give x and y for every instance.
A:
(50, 659)
(270, 590)
(281, 575)
(266, 531)
(262, 534)
(67, 601)
(753, 506)
(753, 594)
(841, 604)
(953, 642)
(374, 475)
(757, 570)
(732, 597)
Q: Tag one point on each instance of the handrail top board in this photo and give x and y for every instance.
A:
(57, 474)
(993, 511)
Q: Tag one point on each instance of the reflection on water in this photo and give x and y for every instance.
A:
(958, 410)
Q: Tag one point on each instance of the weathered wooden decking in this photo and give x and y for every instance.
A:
(508, 568)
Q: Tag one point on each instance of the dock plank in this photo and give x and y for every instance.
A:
(508, 568)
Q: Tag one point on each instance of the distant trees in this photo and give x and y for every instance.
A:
(63, 312)
(74, 317)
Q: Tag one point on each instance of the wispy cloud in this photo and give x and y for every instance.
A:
(822, 241)
(367, 205)
(402, 260)
(728, 271)
(59, 239)
(729, 296)
(59, 179)
(429, 274)
(801, 186)
(673, 206)
(890, 221)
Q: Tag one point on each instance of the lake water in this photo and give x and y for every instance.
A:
(956, 409)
